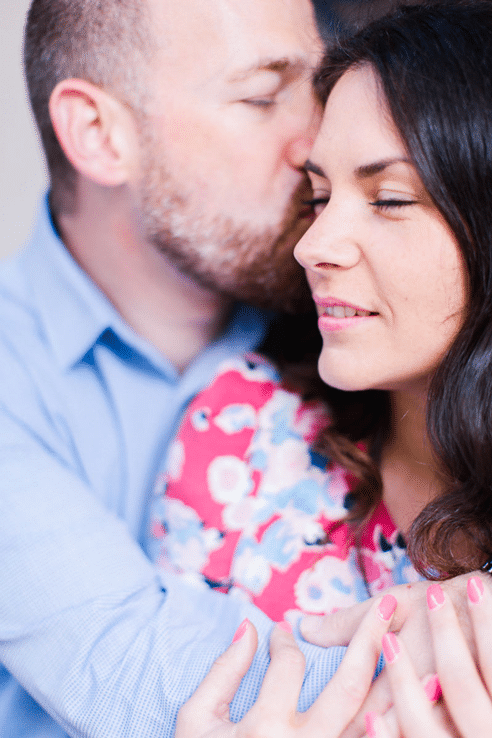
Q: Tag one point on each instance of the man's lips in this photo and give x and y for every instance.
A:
(306, 211)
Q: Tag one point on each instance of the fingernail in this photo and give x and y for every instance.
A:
(386, 607)
(284, 625)
(475, 590)
(370, 718)
(432, 688)
(435, 597)
(241, 631)
(391, 647)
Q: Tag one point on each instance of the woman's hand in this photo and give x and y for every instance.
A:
(466, 690)
(411, 621)
(274, 715)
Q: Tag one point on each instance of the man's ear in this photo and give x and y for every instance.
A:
(96, 132)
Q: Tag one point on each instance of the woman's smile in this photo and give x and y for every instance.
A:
(337, 315)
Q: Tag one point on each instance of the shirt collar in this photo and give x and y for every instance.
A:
(75, 314)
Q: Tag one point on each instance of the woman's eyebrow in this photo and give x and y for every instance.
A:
(364, 171)
(309, 166)
(369, 170)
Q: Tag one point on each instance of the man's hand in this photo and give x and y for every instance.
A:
(410, 621)
(275, 715)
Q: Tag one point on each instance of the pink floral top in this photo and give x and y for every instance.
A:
(245, 502)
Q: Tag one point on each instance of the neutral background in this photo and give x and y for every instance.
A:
(23, 176)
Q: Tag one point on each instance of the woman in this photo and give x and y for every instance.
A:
(412, 341)
(399, 261)
(418, 259)
(404, 231)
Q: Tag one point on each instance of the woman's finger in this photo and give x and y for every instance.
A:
(282, 684)
(338, 628)
(413, 700)
(335, 629)
(345, 693)
(377, 726)
(480, 607)
(389, 725)
(466, 696)
(210, 702)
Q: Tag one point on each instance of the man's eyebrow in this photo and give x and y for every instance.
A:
(292, 66)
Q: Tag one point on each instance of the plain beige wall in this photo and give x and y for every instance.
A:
(23, 179)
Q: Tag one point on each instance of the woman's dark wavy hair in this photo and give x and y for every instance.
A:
(433, 63)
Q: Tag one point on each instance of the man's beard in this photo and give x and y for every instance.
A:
(220, 255)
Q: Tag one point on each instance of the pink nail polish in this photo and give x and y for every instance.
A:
(284, 625)
(386, 607)
(435, 597)
(370, 719)
(432, 688)
(475, 590)
(241, 631)
(391, 647)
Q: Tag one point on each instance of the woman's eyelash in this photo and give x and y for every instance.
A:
(392, 203)
(381, 204)
(316, 201)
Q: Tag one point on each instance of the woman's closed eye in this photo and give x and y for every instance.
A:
(317, 204)
(392, 200)
(392, 203)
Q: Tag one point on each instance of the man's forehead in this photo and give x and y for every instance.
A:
(277, 27)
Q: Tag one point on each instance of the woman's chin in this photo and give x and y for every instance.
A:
(343, 379)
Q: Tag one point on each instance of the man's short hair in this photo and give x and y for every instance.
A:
(106, 42)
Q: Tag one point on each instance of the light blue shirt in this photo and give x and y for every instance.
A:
(105, 644)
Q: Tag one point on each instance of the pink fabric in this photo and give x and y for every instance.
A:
(244, 503)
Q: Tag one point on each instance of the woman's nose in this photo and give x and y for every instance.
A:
(329, 243)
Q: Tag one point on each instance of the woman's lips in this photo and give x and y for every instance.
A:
(345, 311)
(335, 314)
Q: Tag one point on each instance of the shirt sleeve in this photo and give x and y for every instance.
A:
(87, 625)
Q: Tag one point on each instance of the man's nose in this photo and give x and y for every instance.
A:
(301, 143)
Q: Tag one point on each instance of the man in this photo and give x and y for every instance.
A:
(175, 134)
